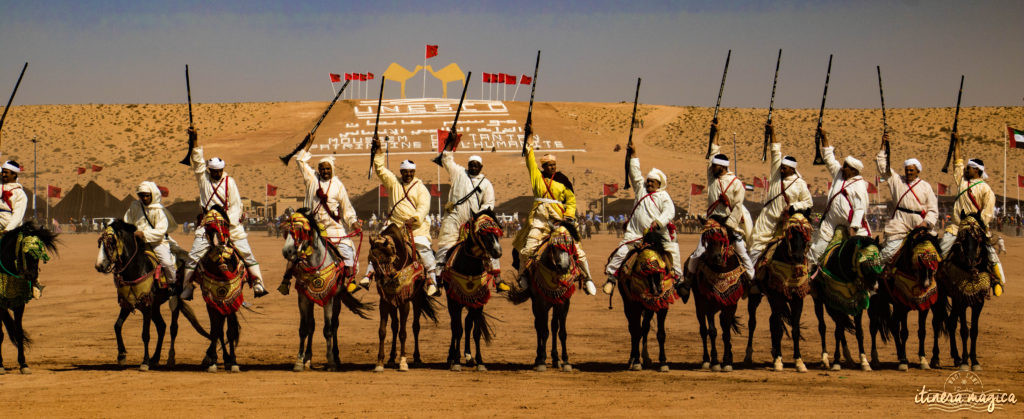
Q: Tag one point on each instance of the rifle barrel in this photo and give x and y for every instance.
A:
(529, 111)
(956, 120)
(632, 123)
(11, 99)
(818, 160)
(188, 90)
(718, 103)
(771, 106)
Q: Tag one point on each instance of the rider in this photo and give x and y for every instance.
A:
(328, 201)
(973, 196)
(151, 223)
(410, 206)
(916, 205)
(847, 200)
(725, 198)
(217, 188)
(13, 203)
(787, 192)
(471, 192)
(653, 210)
(553, 201)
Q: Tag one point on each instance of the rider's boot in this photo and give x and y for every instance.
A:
(588, 284)
(431, 286)
(257, 281)
(997, 284)
(186, 285)
(683, 283)
(609, 285)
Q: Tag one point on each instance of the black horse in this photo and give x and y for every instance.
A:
(720, 282)
(468, 279)
(966, 276)
(136, 278)
(21, 250)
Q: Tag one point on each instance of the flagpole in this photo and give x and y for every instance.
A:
(516, 93)
(1006, 144)
(424, 74)
(333, 90)
(481, 88)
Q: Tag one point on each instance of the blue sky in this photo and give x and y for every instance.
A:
(134, 51)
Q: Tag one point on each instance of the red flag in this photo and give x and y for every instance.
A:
(943, 189)
(164, 191)
(362, 77)
(696, 189)
(52, 191)
(96, 168)
(335, 78)
(758, 183)
(81, 170)
(525, 80)
(435, 190)
(828, 187)
(510, 79)
(348, 76)
(610, 189)
(431, 51)
(271, 190)
(369, 76)
(872, 189)
(1020, 181)
(442, 139)
(487, 77)
(501, 77)
(381, 191)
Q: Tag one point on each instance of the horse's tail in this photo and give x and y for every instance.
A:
(843, 321)
(355, 305)
(485, 326)
(234, 324)
(737, 325)
(17, 333)
(787, 322)
(940, 310)
(429, 306)
(190, 315)
(518, 295)
(880, 315)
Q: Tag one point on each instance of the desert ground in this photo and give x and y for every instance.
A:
(75, 372)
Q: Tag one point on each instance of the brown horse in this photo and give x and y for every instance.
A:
(720, 283)
(399, 277)
(967, 277)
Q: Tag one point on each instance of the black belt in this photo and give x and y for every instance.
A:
(921, 213)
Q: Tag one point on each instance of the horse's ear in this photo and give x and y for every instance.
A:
(962, 214)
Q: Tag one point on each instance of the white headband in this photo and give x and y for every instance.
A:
(215, 163)
(329, 160)
(407, 165)
(720, 162)
(789, 161)
(970, 163)
(477, 159)
(913, 162)
(10, 166)
(854, 163)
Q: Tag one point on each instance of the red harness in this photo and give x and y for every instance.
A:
(910, 190)
(849, 216)
(216, 194)
(722, 199)
(322, 202)
(405, 193)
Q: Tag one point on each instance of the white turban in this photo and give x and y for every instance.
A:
(854, 163)
(407, 165)
(659, 176)
(12, 166)
(721, 160)
(913, 162)
(151, 189)
(975, 163)
(329, 160)
(215, 163)
(477, 159)
(789, 161)
(547, 158)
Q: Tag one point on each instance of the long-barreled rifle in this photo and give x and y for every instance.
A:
(528, 128)
(191, 125)
(885, 124)
(952, 133)
(718, 103)
(307, 141)
(632, 123)
(771, 106)
(818, 160)
(376, 124)
(8, 107)
(453, 137)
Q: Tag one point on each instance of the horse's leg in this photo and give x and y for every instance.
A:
(633, 312)
(394, 335)
(938, 325)
(478, 332)
(645, 329)
(964, 336)
(975, 328)
(234, 333)
(922, 334)
(417, 311)
(403, 365)
(382, 331)
(819, 312)
(329, 338)
(305, 329)
(455, 323)
(859, 329)
(122, 353)
(840, 335)
(335, 325)
(216, 335)
(5, 316)
(796, 311)
(900, 333)
(752, 302)
(469, 326)
(727, 319)
(19, 337)
(174, 332)
(662, 334)
(554, 338)
(147, 317)
(703, 321)
(161, 328)
(563, 315)
(540, 325)
(776, 327)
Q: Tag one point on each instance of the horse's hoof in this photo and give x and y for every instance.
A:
(122, 360)
(566, 368)
(976, 367)
(3, 370)
(298, 367)
(170, 362)
(924, 364)
(212, 368)
(26, 370)
(904, 367)
(378, 368)
(468, 359)
(864, 366)
(402, 365)
(778, 364)
(837, 367)
(706, 366)
(455, 367)
(965, 367)
(749, 357)
(824, 361)
(235, 368)
(144, 367)
(663, 368)
(332, 368)
(716, 368)
(636, 367)
(727, 368)
(540, 368)
(481, 367)
(800, 367)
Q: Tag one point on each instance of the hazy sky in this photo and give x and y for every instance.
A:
(134, 51)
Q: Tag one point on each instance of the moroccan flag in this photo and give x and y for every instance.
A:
(442, 139)
(872, 189)
(487, 77)
(164, 191)
(271, 190)
(369, 76)
(1016, 137)
(943, 189)
(362, 77)
(81, 170)
(381, 191)
(759, 183)
(96, 168)
(1020, 181)
(335, 78)
(431, 51)
(435, 190)
(510, 79)
(610, 189)
(501, 77)
(52, 191)
(525, 80)
(696, 189)
(348, 76)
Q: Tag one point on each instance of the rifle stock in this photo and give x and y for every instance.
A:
(452, 134)
(528, 128)
(771, 106)
(307, 141)
(718, 103)
(953, 132)
(818, 160)
(632, 123)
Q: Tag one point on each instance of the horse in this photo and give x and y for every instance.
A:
(399, 277)
(966, 276)
(321, 278)
(221, 272)
(554, 273)
(909, 285)
(645, 282)
(468, 279)
(138, 278)
(782, 274)
(720, 282)
(21, 250)
(848, 270)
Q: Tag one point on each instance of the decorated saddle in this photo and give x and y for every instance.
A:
(15, 289)
(643, 263)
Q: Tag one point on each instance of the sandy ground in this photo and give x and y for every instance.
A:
(75, 372)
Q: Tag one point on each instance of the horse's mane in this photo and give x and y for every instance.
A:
(977, 217)
(923, 234)
(571, 229)
(653, 240)
(121, 226)
(28, 228)
(486, 211)
(313, 225)
(721, 219)
(220, 209)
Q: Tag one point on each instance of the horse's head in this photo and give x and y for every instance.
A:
(561, 249)
(383, 250)
(797, 231)
(868, 261)
(117, 243)
(921, 256)
(717, 241)
(217, 226)
(486, 233)
(301, 235)
(971, 240)
(24, 247)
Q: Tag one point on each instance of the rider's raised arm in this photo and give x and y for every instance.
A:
(302, 161)
(386, 176)
(636, 178)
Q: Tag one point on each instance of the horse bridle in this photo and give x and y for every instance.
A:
(109, 242)
(483, 224)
